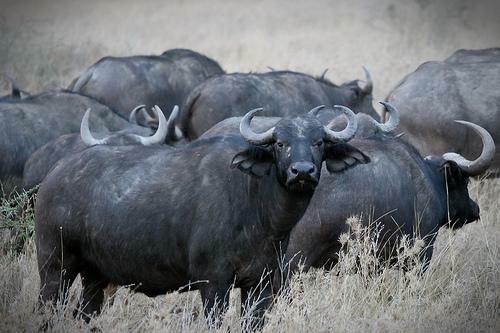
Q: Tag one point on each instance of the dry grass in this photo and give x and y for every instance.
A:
(459, 292)
(45, 44)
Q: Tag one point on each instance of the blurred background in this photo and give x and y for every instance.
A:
(44, 44)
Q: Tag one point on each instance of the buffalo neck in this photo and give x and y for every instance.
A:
(279, 210)
(438, 181)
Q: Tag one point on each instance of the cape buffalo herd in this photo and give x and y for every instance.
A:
(246, 178)
(44, 158)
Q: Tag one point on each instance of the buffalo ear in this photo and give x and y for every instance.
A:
(453, 170)
(255, 161)
(341, 156)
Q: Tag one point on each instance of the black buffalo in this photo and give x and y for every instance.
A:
(27, 124)
(164, 80)
(45, 157)
(465, 86)
(147, 216)
(281, 93)
(401, 192)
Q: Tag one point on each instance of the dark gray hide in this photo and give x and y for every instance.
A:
(465, 86)
(402, 192)
(280, 93)
(29, 123)
(147, 216)
(125, 82)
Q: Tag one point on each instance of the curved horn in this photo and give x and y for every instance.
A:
(368, 87)
(132, 118)
(314, 112)
(87, 137)
(391, 124)
(480, 164)
(248, 134)
(348, 132)
(160, 134)
(173, 131)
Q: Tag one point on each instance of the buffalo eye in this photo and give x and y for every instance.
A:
(280, 144)
(319, 143)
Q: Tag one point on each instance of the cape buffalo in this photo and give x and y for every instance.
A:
(28, 123)
(282, 93)
(147, 216)
(164, 80)
(404, 193)
(45, 157)
(465, 86)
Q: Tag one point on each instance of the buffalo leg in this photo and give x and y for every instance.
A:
(93, 293)
(302, 261)
(290, 266)
(426, 254)
(254, 303)
(57, 273)
(215, 298)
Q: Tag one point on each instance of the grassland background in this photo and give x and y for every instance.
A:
(44, 44)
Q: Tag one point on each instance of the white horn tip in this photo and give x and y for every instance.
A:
(174, 113)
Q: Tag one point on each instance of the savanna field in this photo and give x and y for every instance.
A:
(45, 44)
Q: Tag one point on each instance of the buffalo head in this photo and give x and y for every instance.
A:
(297, 147)
(456, 171)
(359, 94)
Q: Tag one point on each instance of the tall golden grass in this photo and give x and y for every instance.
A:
(459, 292)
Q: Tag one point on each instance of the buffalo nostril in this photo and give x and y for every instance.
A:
(302, 168)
